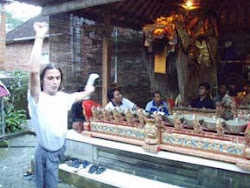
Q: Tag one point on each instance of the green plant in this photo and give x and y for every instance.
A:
(14, 118)
(4, 143)
(15, 107)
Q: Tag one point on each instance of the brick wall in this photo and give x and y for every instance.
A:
(132, 76)
(75, 45)
(2, 37)
(60, 45)
(18, 54)
(77, 49)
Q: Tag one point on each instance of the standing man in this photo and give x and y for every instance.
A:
(48, 107)
(204, 100)
(157, 104)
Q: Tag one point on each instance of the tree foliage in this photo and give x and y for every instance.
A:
(12, 22)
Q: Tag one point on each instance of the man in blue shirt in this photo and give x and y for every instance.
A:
(157, 104)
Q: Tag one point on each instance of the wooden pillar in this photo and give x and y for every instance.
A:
(2, 37)
(106, 57)
(182, 73)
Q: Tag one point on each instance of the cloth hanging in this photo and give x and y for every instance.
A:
(160, 61)
(3, 90)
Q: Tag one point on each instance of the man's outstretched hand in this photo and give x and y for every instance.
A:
(41, 28)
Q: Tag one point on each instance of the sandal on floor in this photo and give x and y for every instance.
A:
(76, 163)
(100, 170)
(93, 169)
(85, 163)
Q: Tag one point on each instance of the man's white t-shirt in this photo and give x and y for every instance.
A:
(50, 118)
(126, 104)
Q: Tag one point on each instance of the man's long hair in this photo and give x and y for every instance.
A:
(49, 67)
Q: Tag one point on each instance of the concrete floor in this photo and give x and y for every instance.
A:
(15, 160)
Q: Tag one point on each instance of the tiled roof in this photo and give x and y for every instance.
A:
(25, 31)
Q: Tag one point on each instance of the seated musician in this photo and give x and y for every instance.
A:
(204, 100)
(244, 96)
(77, 114)
(157, 104)
(233, 94)
(223, 96)
(116, 101)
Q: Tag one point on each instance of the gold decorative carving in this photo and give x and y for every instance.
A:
(158, 121)
(141, 117)
(117, 116)
(129, 117)
(177, 123)
(244, 164)
(247, 152)
(106, 115)
(234, 109)
(151, 148)
(219, 128)
(96, 114)
(152, 132)
(247, 136)
(197, 126)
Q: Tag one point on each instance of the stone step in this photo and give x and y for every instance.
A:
(109, 178)
(166, 167)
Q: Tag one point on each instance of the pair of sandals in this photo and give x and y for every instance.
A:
(96, 169)
(76, 163)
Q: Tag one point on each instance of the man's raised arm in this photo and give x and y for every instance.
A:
(35, 58)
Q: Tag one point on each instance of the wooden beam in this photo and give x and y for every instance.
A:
(182, 73)
(129, 18)
(143, 8)
(114, 22)
(69, 6)
(155, 11)
(106, 57)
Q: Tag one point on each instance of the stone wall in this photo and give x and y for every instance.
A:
(18, 54)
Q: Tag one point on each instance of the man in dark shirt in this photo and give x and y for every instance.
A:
(204, 100)
(77, 114)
